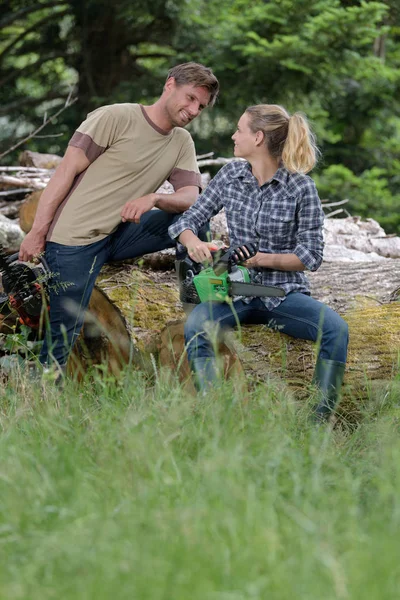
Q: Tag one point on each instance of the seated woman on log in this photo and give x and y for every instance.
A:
(269, 201)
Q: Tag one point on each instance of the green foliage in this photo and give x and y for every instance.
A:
(21, 343)
(368, 194)
(100, 49)
(336, 60)
(326, 59)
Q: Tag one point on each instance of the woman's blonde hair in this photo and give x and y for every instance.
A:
(287, 138)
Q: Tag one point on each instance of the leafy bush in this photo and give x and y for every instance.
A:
(368, 194)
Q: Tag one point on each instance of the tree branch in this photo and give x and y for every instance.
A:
(67, 104)
(26, 11)
(215, 161)
(34, 27)
(327, 204)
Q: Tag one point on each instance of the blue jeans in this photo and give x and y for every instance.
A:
(299, 316)
(76, 268)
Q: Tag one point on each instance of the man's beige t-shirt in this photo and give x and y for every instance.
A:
(129, 157)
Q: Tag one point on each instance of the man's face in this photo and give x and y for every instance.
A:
(184, 102)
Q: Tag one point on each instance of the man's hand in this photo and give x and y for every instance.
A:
(134, 209)
(32, 246)
(201, 251)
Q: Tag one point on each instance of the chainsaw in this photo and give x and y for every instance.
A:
(24, 289)
(224, 279)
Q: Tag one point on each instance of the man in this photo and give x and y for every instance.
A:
(98, 205)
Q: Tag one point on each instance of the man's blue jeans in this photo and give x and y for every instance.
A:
(76, 268)
(299, 316)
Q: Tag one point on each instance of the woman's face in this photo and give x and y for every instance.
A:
(245, 140)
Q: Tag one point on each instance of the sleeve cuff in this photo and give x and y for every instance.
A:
(86, 143)
(176, 229)
(310, 260)
(180, 178)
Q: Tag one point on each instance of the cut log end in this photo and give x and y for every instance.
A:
(27, 211)
(104, 339)
(173, 355)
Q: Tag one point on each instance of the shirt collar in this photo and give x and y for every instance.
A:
(243, 170)
(281, 175)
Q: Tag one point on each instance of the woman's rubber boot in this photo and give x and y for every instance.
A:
(328, 377)
(205, 373)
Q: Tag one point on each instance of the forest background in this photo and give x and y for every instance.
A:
(336, 60)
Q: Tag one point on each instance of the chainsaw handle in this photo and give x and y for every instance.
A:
(242, 253)
(234, 256)
(14, 257)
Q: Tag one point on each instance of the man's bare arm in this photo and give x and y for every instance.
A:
(177, 202)
(74, 162)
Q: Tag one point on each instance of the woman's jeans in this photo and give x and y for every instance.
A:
(76, 268)
(299, 316)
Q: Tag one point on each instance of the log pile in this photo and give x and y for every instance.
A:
(30, 177)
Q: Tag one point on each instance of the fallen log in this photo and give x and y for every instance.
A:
(135, 318)
(11, 181)
(267, 356)
(154, 321)
(105, 339)
(39, 160)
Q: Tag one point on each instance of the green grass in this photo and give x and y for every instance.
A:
(127, 489)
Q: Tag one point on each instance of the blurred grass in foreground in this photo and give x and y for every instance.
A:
(125, 489)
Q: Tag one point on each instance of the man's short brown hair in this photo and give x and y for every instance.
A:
(198, 75)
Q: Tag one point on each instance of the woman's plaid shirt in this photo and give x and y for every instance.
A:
(284, 215)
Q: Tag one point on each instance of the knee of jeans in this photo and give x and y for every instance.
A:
(195, 322)
(191, 327)
(336, 327)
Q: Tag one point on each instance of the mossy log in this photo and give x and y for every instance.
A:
(269, 356)
(148, 306)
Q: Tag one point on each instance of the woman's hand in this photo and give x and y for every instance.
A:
(254, 261)
(201, 251)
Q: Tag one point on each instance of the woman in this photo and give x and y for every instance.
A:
(269, 200)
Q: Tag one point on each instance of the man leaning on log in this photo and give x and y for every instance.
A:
(98, 205)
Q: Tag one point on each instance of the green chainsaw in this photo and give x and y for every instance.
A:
(224, 279)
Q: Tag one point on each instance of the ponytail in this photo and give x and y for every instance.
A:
(300, 152)
(288, 138)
